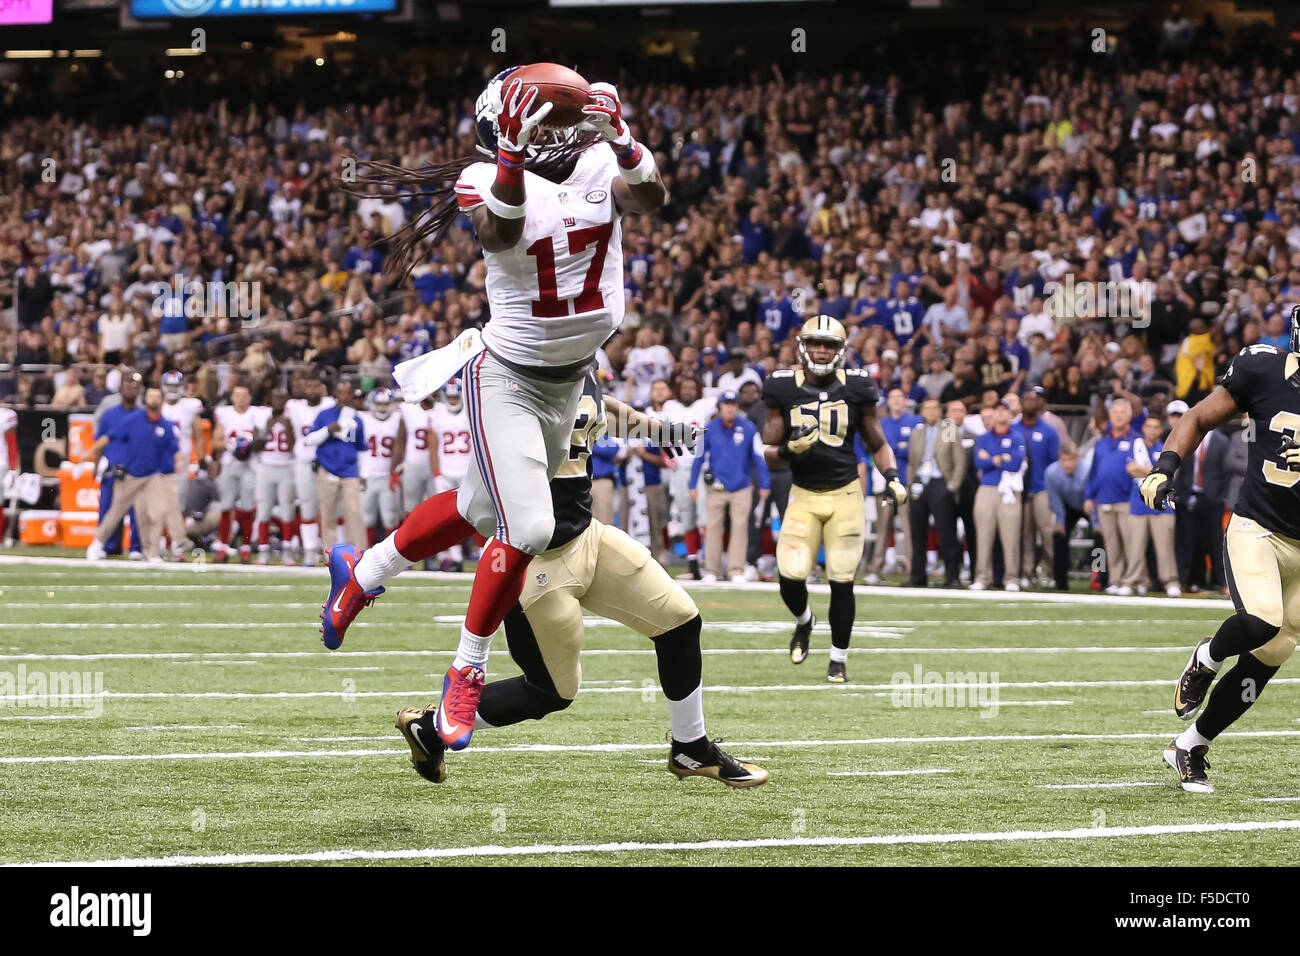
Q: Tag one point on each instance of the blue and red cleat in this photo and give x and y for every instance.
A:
(346, 599)
(458, 709)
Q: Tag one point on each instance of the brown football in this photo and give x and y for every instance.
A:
(559, 85)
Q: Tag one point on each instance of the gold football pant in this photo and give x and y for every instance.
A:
(816, 518)
(609, 574)
(1263, 572)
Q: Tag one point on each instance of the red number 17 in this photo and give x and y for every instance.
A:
(550, 305)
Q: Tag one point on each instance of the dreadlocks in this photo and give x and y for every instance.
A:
(436, 182)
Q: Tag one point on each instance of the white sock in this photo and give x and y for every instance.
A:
(380, 563)
(473, 650)
(457, 553)
(1203, 656)
(1191, 737)
(839, 655)
(806, 616)
(310, 535)
(687, 716)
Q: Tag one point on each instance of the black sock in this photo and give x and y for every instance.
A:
(1239, 635)
(509, 701)
(1233, 695)
(843, 609)
(794, 594)
(681, 666)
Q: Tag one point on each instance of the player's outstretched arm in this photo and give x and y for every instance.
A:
(499, 222)
(640, 189)
(1205, 416)
(627, 423)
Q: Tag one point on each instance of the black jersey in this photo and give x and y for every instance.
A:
(1257, 381)
(571, 486)
(836, 408)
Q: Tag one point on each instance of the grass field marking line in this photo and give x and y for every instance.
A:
(737, 746)
(886, 773)
(219, 662)
(50, 717)
(1097, 786)
(493, 850)
(1276, 799)
(185, 727)
(878, 592)
(587, 651)
(428, 693)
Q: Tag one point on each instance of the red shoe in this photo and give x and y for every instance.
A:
(245, 552)
(461, 690)
(221, 557)
(345, 599)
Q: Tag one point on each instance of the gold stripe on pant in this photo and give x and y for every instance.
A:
(340, 494)
(993, 516)
(738, 504)
(1135, 530)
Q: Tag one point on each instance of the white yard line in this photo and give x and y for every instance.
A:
(734, 746)
(1095, 786)
(552, 849)
(885, 773)
(185, 727)
(927, 596)
(586, 651)
(909, 689)
(50, 717)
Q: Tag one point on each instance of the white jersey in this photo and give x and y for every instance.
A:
(234, 425)
(644, 366)
(451, 434)
(303, 416)
(276, 451)
(557, 294)
(698, 413)
(183, 412)
(8, 423)
(419, 432)
(381, 439)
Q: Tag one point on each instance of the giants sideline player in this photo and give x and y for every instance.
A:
(1261, 547)
(235, 426)
(413, 455)
(274, 484)
(187, 413)
(379, 479)
(552, 244)
(302, 414)
(451, 457)
(685, 514)
(813, 412)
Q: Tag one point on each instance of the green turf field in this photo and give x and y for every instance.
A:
(227, 728)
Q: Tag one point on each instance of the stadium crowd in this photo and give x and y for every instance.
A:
(1077, 249)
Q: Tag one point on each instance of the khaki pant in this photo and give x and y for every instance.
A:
(993, 516)
(738, 504)
(1035, 534)
(602, 500)
(656, 503)
(1111, 518)
(1135, 530)
(154, 498)
(336, 493)
(885, 511)
(814, 519)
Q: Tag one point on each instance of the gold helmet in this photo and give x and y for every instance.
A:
(822, 328)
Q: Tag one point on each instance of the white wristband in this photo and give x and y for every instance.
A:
(502, 210)
(644, 171)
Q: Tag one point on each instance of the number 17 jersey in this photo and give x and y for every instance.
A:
(836, 408)
(557, 294)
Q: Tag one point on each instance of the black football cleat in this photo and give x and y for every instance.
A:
(427, 748)
(1190, 765)
(1193, 683)
(836, 673)
(800, 639)
(704, 758)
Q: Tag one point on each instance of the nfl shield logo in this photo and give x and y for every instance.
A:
(541, 580)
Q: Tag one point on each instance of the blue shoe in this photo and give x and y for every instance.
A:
(346, 599)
